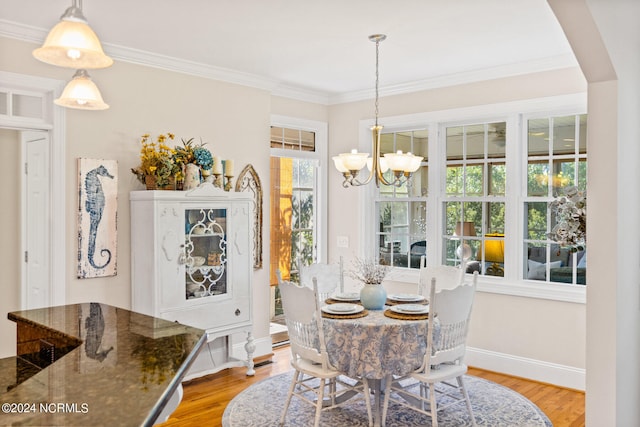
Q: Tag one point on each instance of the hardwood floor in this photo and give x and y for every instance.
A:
(205, 399)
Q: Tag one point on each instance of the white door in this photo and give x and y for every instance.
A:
(35, 229)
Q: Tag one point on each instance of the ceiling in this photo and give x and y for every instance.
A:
(317, 48)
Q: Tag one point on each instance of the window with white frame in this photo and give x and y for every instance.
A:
(474, 196)
(297, 194)
(556, 159)
(402, 211)
(298, 149)
(496, 179)
(293, 200)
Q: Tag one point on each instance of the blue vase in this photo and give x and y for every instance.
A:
(373, 297)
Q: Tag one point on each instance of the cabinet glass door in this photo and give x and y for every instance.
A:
(205, 252)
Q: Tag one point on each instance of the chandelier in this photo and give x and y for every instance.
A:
(402, 165)
(72, 44)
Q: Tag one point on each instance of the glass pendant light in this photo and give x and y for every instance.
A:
(81, 93)
(402, 165)
(72, 43)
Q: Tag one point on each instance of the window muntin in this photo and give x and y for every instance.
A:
(402, 211)
(293, 139)
(556, 159)
(474, 200)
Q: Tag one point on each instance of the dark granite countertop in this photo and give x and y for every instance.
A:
(114, 367)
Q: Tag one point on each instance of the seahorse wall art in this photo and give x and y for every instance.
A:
(97, 211)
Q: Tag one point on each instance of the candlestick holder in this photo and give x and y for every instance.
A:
(218, 180)
(227, 185)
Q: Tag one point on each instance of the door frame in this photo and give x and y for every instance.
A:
(52, 121)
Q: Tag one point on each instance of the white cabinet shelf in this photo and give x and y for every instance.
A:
(191, 262)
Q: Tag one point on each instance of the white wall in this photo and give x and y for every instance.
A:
(10, 259)
(605, 37)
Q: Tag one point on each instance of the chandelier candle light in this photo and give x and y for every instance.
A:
(402, 165)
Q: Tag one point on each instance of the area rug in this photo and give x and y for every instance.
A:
(494, 405)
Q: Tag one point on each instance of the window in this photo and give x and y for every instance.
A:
(23, 105)
(298, 227)
(293, 203)
(484, 192)
(474, 199)
(402, 211)
(556, 159)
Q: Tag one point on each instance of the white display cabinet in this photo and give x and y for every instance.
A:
(191, 262)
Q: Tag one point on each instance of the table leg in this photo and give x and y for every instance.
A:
(376, 388)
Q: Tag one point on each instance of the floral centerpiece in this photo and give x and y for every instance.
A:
(373, 296)
(157, 167)
(196, 154)
(193, 161)
(571, 219)
(368, 271)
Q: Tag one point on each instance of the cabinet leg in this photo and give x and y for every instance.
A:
(250, 347)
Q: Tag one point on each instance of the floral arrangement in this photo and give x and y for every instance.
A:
(166, 164)
(203, 157)
(196, 154)
(368, 271)
(571, 219)
(156, 160)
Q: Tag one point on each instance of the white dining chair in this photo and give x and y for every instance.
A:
(313, 372)
(330, 277)
(447, 277)
(447, 328)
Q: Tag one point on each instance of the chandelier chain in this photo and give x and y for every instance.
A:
(377, 80)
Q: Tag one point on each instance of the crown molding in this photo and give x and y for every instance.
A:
(22, 32)
(278, 88)
(509, 70)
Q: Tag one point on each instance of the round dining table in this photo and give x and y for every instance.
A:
(375, 346)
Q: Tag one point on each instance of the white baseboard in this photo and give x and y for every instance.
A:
(537, 370)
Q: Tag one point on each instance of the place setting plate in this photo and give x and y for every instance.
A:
(343, 310)
(410, 309)
(408, 312)
(347, 296)
(405, 299)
